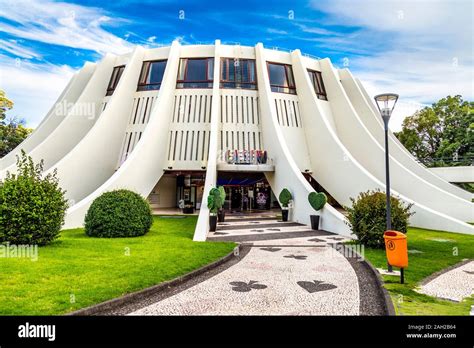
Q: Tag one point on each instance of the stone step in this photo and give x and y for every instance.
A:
(270, 236)
(252, 226)
(236, 218)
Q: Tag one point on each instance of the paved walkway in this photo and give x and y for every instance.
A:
(289, 270)
(455, 284)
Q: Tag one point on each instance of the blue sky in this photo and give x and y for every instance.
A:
(421, 49)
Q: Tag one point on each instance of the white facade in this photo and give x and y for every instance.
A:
(131, 138)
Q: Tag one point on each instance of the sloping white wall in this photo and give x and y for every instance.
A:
(370, 153)
(461, 174)
(202, 227)
(76, 124)
(54, 117)
(144, 167)
(337, 170)
(370, 116)
(86, 152)
(93, 160)
(287, 174)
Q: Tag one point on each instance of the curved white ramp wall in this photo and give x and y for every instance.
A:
(370, 153)
(94, 159)
(287, 174)
(78, 120)
(369, 115)
(202, 226)
(335, 168)
(140, 134)
(54, 117)
(144, 167)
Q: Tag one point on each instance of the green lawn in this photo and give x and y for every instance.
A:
(77, 271)
(435, 257)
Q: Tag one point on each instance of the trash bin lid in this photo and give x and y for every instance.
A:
(394, 235)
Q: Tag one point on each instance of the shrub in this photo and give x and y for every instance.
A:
(367, 217)
(214, 200)
(285, 197)
(32, 207)
(222, 193)
(119, 213)
(317, 200)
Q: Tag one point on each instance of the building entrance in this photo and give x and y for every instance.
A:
(246, 192)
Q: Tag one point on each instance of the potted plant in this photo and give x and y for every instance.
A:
(285, 198)
(188, 208)
(221, 212)
(214, 203)
(317, 200)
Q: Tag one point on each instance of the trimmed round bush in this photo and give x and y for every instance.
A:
(119, 213)
(32, 207)
(367, 217)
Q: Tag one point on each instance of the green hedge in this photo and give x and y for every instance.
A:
(367, 217)
(32, 207)
(119, 213)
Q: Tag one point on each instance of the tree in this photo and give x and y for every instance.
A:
(442, 133)
(12, 130)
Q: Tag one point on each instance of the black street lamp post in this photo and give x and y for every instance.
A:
(386, 103)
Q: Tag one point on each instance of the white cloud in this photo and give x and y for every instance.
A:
(12, 47)
(32, 87)
(276, 31)
(62, 24)
(421, 49)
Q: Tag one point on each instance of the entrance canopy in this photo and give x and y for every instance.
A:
(238, 178)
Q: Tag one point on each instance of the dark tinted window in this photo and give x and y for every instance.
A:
(114, 79)
(318, 84)
(238, 73)
(281, 78)
(195, 73)
(151, 75)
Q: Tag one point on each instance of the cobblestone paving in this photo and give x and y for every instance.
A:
(454, 285)
(279, 276)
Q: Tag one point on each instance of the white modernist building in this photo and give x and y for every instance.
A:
(172, 122)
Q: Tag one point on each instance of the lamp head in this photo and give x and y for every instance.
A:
(386, 103)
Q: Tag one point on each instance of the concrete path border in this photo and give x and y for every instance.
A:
(370, 284)
(136, 300)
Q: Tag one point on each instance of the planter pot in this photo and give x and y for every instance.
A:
(189, 210)
(284, 215)
(314, 222)
(221, 215)
(212, 223)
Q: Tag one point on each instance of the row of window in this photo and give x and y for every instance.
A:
(234, 73)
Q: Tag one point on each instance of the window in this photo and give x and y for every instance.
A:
(151, 75)
(114, 79)
(238, 73)
(281, 78)
(318, 85)
(195, 73)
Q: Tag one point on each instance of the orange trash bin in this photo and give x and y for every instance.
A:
(396, 248)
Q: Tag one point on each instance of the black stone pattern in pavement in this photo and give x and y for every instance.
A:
(270, 236)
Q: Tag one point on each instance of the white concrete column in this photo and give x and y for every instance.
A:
(370, 153)
(144, 167)
(202, 227)
(287, 174)
(370, 116)
(54, 116)
(93, 160)
(76, 123)
(338, 171)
